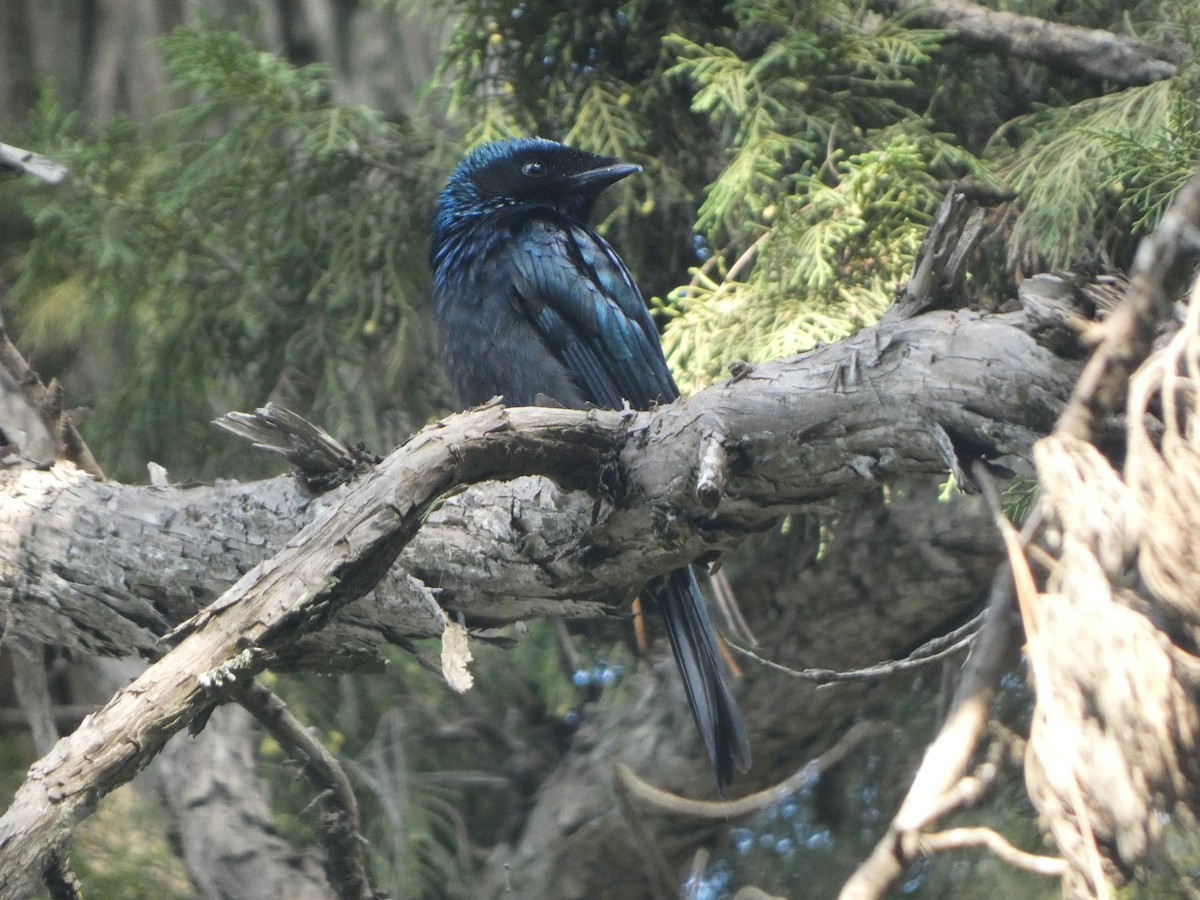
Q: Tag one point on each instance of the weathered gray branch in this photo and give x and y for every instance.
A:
(330, 563)
(26, 162)
(799, 431)
(908, 396)
(1088, 51)
(107, 568)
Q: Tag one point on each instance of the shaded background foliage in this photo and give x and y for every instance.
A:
(254, 231)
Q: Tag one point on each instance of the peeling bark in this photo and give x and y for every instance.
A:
(107, 569)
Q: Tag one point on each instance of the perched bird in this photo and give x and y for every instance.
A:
(533, 304)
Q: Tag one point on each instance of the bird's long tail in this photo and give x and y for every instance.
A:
(700, 664)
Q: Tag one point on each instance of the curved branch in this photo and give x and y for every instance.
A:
(724, 810)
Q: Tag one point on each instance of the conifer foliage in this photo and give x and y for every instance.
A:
(264, 241)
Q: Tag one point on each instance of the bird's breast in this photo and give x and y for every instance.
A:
(488, 343)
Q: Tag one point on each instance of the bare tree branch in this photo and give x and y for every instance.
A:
(339, 824)
(628, 782)
(958, 838)
(774, 469)
(840, 419)
(47, 402)
(1111, 742)
(330, 563)
(26, 162)
(1101, 54)
(696, 476)
(939, 648)
(323, 461)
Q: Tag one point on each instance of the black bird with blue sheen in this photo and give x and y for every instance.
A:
(533, 304)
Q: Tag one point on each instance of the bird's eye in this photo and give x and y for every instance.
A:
(534, 169)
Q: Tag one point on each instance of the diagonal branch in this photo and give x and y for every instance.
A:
(330, 563)
(47, 403)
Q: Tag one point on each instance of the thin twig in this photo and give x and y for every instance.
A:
(958, 838)
(1028, 598)
(733, 622)
(931, 651)
(730, 809)
(744, 260)
(339, 827)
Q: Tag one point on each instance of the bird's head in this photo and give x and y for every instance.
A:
(531, 172)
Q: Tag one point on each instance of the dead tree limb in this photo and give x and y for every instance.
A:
(1087, 51)
(889, 402)
(796, 442)
(338, 825)
(841, 419)
(330, 563)
(47, 403)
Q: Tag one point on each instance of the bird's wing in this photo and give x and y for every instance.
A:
(585, 305)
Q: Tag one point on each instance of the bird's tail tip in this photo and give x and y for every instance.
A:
(693, 642)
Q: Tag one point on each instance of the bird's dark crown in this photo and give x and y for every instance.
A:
(530, 172)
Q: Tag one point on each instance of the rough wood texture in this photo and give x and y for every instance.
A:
(1087, 51)
(332, 561)
(836, 421)
(107, 569)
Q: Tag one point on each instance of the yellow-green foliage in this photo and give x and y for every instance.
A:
(828, 186)
(826, 263)
(1067, 177)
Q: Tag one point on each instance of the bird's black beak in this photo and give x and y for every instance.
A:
(598, 179)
